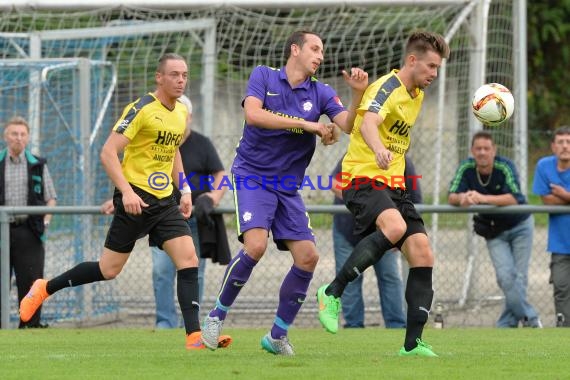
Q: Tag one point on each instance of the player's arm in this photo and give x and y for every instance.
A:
(358, 81)
(186, 198)
(257, 116)
(369, 131)
(114, 145)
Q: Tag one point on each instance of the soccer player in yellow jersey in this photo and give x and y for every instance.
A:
(149, 133)
(374, 187)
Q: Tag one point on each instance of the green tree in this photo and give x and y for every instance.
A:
(548, 59)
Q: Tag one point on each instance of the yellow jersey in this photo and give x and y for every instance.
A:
(389, 98)
(155, 132)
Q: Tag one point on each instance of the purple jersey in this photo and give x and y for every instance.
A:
(277, 154)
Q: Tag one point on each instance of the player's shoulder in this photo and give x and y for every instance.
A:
(266, 70)
(142, 102)
(386, 87)
(388, 82)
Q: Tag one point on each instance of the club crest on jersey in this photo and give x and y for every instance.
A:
(307, 106)
(246, 217)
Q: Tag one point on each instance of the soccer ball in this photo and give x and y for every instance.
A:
(493, 104)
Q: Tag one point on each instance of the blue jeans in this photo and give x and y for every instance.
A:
(510, 253)
(163, 275)
(390, 287)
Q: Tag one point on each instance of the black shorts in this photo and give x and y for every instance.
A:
(366, 201)
(161, 220)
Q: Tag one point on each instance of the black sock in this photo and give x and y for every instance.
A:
(419, 295)
(83, 273)
(366, 253)
(187, 289)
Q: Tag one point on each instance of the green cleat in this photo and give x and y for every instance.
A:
(329, 307)
(422, 349)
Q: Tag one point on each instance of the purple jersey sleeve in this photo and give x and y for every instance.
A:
(257, 83)
(332, 105)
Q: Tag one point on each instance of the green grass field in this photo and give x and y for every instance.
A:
(351, 354)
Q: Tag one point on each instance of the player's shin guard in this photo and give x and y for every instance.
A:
(291, 297)
(187, 290)
(81, 274)
(419, 296)
(366, 253)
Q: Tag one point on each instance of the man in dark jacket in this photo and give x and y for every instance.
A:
(25, 181)
(490, 179)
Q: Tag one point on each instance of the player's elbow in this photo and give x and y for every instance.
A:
(252, 116)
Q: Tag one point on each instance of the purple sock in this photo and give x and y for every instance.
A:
(291, 297)
(237, 273)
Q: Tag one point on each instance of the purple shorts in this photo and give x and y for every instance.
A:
(283, 214)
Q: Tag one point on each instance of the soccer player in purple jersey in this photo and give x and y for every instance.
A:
(282, 110)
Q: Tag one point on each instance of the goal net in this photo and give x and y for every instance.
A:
(222, 44)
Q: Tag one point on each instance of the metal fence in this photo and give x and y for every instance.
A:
(464, 278)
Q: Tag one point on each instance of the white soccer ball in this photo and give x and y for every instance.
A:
(493, 104)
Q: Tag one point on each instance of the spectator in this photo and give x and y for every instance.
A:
(389, 280)
(25, 181)
(552, 183)
(490, 179)
(201, 163)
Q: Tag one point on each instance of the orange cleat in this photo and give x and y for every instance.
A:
(194, 341)
(224, 341)
(33, 300)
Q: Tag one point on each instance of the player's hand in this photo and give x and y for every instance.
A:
(133, 204)
(357, 79)
(318, 129)
(334, 134)
(186, 205)
(383, 158)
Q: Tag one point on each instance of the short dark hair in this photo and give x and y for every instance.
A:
(166, 57)
(560, 131)
(297, 38)
(421, 42)
(482, 135)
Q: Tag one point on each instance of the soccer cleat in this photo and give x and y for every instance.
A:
(422, 349)
(194, 341)
(224, 341)
(33, 300)
(329, 307)
(277, 346)
(211, 329)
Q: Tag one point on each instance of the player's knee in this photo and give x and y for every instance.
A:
(255, 249)
(110, 273)
(395, 231)
(307, 261)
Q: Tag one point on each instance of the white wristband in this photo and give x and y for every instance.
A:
(185, 190)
